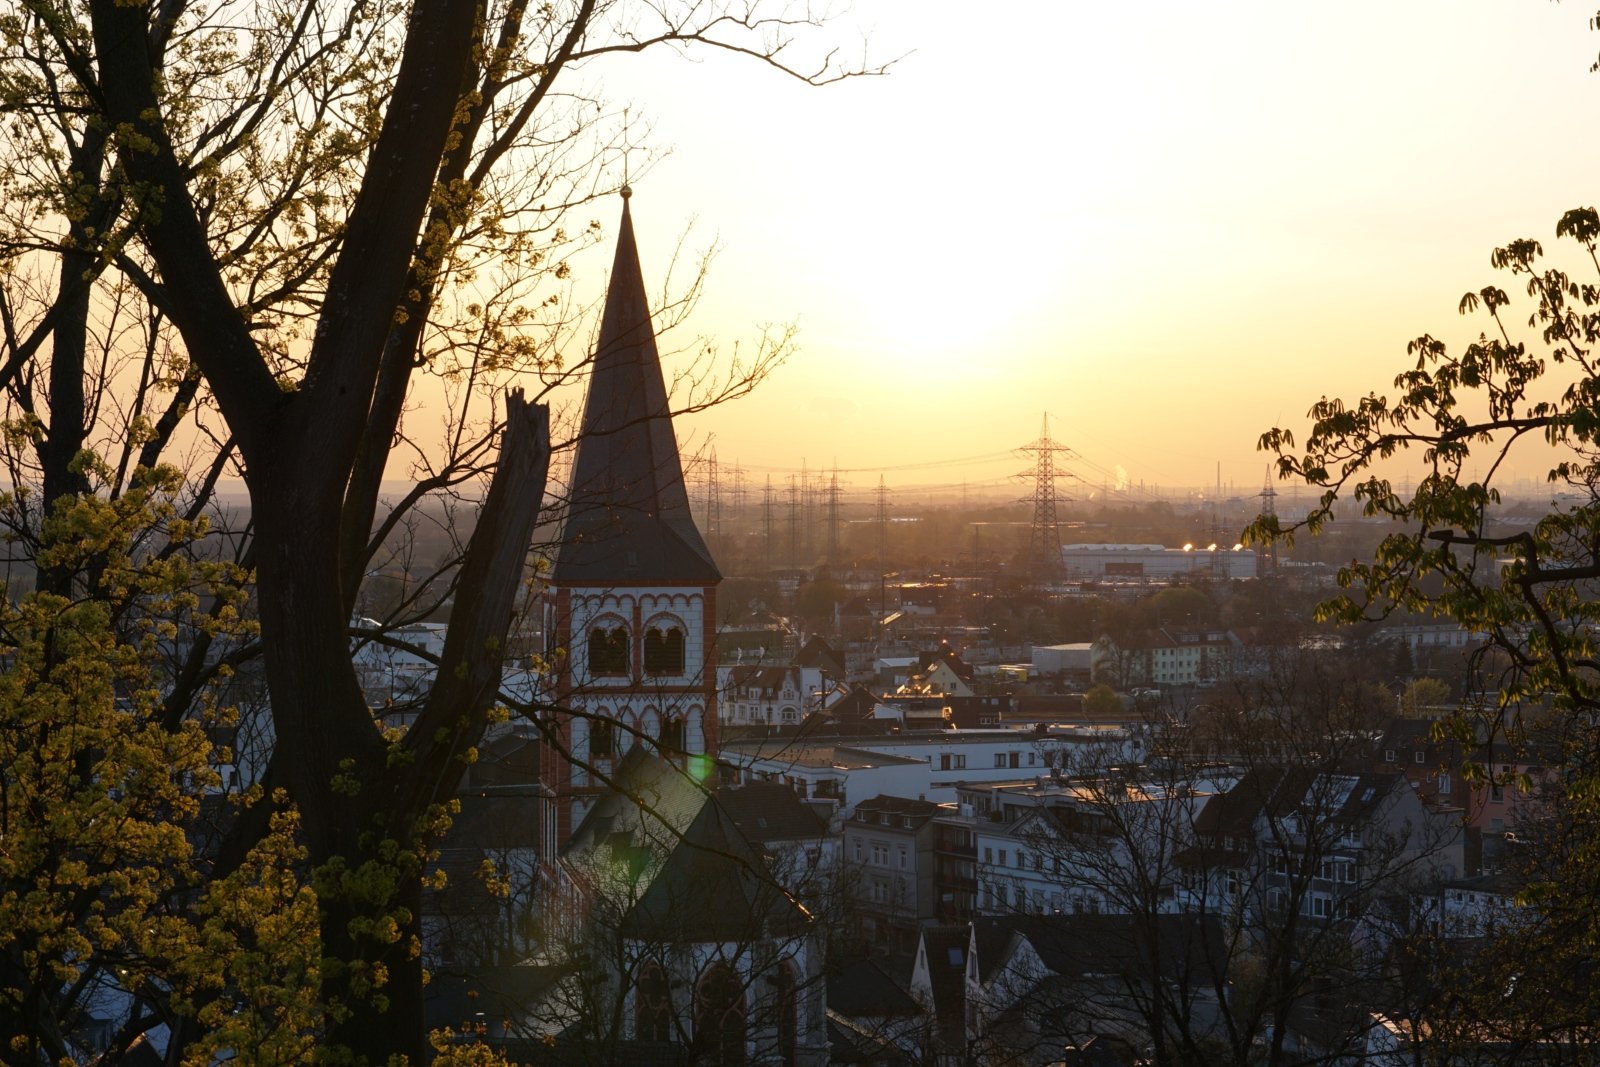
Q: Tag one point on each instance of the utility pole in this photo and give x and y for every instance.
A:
(766, 520)
(808, 538)
(737, 493)
(1267, 555)
(833, 518)
(713, 498)
(1044, 536)
(883, 523)
(794, 523)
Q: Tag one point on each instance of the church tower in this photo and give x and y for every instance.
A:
(631, 602)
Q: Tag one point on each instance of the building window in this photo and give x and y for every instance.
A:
(671, 735)
(652, 1005)
(719, 1023)
(1419, 757)
(1016, 760)
(608, 651)
(663, 650)
(961, 763)
(1444, 784)
(1388, 755)
(944, 761)
(788, 1015)
(602, 738)
(999, 759)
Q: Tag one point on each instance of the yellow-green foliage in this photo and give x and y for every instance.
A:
(100, 788)
(254, 955)
(461, 1050)
(95, 798)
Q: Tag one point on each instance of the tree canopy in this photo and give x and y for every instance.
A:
(1526, 391)
(235, 240)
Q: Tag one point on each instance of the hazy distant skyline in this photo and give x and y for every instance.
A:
(1169, 225)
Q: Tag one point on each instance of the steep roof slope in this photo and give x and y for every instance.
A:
(628, 511)
(714, 886)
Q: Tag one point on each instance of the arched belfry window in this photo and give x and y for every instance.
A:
(719, 1023)
(652, 1004)
(663, 650)
(608, 652)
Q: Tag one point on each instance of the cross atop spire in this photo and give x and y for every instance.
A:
(628, 515)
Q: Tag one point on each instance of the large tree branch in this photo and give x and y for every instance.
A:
(469, 670)
(367, 283)
(216, 334)
(400, 349)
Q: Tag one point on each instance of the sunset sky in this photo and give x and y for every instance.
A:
(1170, 225)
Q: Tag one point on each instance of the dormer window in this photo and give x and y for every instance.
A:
(663, 650)
(608, 652)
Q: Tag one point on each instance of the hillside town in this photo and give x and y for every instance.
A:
(879, 832)
(1016, 587)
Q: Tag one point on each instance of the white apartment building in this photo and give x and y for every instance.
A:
(1157, 563)
(930, 766)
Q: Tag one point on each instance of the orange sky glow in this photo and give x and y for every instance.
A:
(1169, 225)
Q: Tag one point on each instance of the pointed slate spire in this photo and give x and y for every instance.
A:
(628, 514)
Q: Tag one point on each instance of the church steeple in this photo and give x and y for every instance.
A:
(628, 514)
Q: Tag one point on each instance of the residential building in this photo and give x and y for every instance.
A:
(873, 1019)
(1319, 842)
(1041, 987)
(930, 765)
(888, 852)
(753, 695)
(1081, 843)
(1164, 657)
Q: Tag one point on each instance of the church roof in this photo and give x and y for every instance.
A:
(714, 886)
(628, 514)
